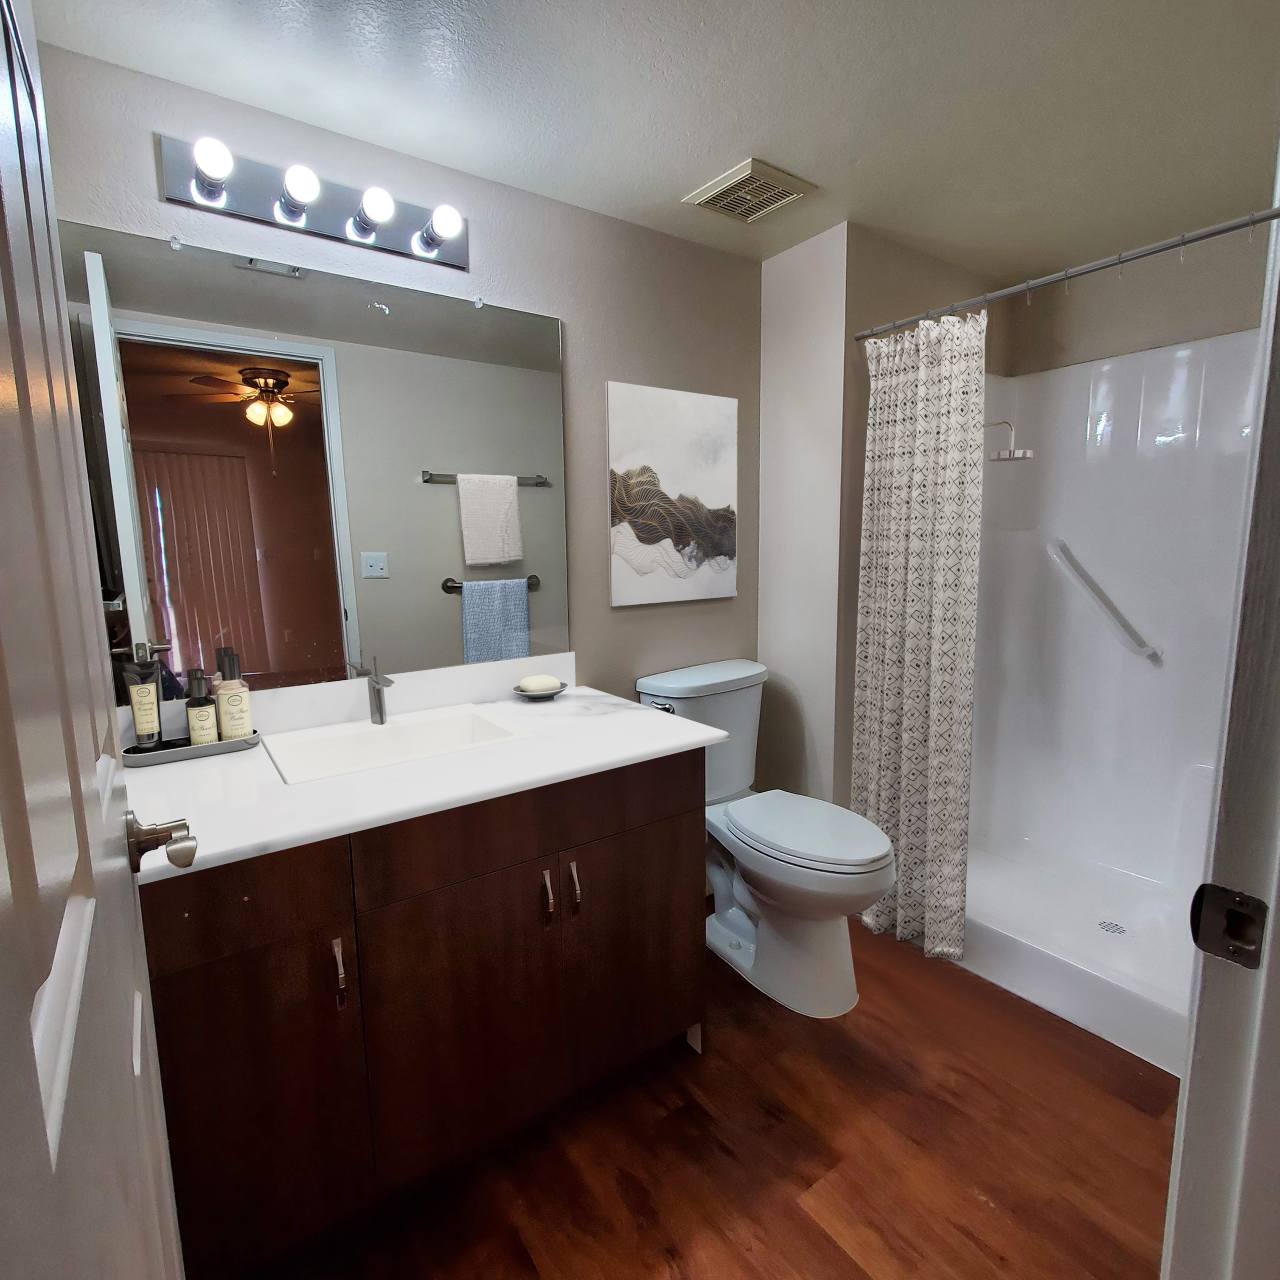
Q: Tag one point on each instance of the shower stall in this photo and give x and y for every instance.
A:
(1109, 577)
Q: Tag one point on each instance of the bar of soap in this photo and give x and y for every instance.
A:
(539, 684)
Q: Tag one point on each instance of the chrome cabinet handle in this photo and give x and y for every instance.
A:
(577, 887)
(546, 887)
(342, 972)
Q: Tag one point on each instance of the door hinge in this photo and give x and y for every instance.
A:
(1229, 924)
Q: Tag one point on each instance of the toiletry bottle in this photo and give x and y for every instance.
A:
(235, 720)
(202, 711)
(217, 676)
(142, 679)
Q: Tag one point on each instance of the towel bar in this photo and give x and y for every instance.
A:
(454, 587)
(451, 477)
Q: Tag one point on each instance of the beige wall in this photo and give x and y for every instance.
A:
(1211, 289)
(637, 307)
(802, 377)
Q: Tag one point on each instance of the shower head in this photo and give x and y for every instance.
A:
(1012, 453)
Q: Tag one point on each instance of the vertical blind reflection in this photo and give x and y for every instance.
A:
(202, 567)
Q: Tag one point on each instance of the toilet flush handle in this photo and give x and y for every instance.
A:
(663, 706)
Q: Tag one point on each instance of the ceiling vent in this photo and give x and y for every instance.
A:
(750, 190)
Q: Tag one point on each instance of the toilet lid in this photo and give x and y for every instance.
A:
(799, 828)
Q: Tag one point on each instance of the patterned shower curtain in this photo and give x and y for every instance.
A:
(917, 619)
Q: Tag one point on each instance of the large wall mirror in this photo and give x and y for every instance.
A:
(274, 457)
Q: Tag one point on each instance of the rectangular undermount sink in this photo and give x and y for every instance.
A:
(307, 755)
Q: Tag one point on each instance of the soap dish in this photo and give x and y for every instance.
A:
(539, 697)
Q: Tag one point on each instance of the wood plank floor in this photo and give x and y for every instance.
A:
(943, 1130)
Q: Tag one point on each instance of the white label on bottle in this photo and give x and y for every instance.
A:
(146, 709)
(202, 725)
(233, 713)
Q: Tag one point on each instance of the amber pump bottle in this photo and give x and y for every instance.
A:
(202, 711)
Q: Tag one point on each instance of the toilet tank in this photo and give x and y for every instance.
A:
(723, 694)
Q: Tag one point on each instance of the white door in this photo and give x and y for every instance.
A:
(84, 1180)
(1224, 1201)
(105, 360)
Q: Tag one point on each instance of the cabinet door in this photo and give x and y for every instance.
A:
(634, 925)
(262, 1063)
(462, 1016)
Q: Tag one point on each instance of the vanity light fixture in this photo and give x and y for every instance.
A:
(301, 188)
(213, 163)
(376, 207)
(295, 198)
(444, 224)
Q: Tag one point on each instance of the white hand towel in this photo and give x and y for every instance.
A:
(490, 510)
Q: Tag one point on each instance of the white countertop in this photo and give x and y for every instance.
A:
(237, 805)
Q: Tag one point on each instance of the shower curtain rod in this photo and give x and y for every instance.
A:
(1249, 221)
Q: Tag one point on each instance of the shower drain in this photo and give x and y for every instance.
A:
(1110, 926)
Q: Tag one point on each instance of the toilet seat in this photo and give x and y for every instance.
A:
(810, 833)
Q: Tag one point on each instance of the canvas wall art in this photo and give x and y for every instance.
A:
(673, 495)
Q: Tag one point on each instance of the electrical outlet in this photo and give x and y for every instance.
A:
(374, 564)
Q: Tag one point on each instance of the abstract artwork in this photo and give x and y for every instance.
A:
(673, 493)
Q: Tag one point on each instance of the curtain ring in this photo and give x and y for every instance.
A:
(1120, 265)
(1066, 280)
(1182, 248)
(1251, 228)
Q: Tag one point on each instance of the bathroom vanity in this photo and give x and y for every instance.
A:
(338, 1018)
(422, 912)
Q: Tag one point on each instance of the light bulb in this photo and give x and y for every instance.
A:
(301, 184)
(256, 412)
(446, 221)
(301, 187)
(444, 224)
(376, 207)
(281, 414)
(214, 163)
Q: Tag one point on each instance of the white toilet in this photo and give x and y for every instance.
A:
(787, 871)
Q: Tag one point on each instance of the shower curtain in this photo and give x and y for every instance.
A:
(917, 619)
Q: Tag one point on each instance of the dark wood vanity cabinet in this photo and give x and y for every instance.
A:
(462, 1026)
(340, 1019)
(632, 939)
(493, 990)
(255, 982)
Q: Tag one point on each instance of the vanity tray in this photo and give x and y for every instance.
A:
(181, 749)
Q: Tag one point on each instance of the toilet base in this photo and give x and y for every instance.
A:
(805, 965)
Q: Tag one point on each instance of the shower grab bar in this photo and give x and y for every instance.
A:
(1130, 636)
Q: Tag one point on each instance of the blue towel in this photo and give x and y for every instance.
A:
(495, 620)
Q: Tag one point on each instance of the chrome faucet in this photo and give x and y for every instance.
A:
(377, 686)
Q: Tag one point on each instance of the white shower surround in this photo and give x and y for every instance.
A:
(1094, 769)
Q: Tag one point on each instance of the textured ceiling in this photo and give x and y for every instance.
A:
(1009, 136)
